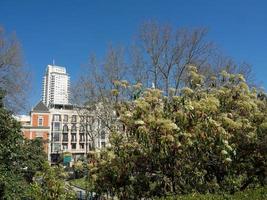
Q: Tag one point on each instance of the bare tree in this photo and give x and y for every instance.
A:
(219, 62)
(92, 92)
(160, 55)
(13, 76)
(137, 66)
(154, 40)
(168, 52)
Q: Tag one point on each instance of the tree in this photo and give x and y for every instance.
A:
(11, 142)
(50, 185)
(20, 159)
(93, 95)
(159, 56)
(197, 141)
(33, 158)
(169, 51)
(16, 166)
(11, 66)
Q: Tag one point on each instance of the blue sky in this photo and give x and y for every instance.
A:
(68, 31)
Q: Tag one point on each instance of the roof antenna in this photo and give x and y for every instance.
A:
(53, 62)
(153, 85)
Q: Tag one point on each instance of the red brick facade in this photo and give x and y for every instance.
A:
(38, 126)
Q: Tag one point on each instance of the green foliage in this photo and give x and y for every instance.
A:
(255, 194)
(80, 182)
(50, 184)
(79, 168)
(11, 156)
(34, 157)
(19, 158)
(209, 139)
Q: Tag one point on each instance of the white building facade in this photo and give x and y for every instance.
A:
(73, 132)
(55, 86)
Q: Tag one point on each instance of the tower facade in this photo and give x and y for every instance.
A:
(55, 86)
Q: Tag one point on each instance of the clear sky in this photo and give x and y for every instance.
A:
(69, 30)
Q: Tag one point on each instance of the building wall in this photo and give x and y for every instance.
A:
(32, 130)
(35, 117)
(58, 129)
(27, 134)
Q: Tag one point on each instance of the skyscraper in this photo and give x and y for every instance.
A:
(55, 86)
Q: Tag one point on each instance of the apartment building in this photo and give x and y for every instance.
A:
(75, 132)
(55, 86)
(65, 130)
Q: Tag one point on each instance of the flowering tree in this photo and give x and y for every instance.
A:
(210, 138)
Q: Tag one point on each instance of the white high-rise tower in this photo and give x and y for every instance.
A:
(55, 86)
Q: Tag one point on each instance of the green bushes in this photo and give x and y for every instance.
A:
(81, 182)
(255, 194)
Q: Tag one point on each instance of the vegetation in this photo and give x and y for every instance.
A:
(19, 159)
(11, 65)
(50, 184)
(255, 194)
(80, 182)
(24, 173)
(191, 136)
(197, 141)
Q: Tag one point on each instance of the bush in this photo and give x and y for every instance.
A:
(255, 194)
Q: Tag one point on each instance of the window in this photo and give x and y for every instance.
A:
(39, 135)
(81, 146)
(65, 119)
(103, 135)
(56, 118)
(103, 144)
(40, 121)
(82, 129)
(73, 128)
(65, 146)
(65, 137)
(56, 137)
(65, 129)
(74, 118)
(73, 138)
(91, 146)
(56, 126)
(82, 137)
(73, 146)
(56, 147)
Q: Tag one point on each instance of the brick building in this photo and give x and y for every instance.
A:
(38, 124)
